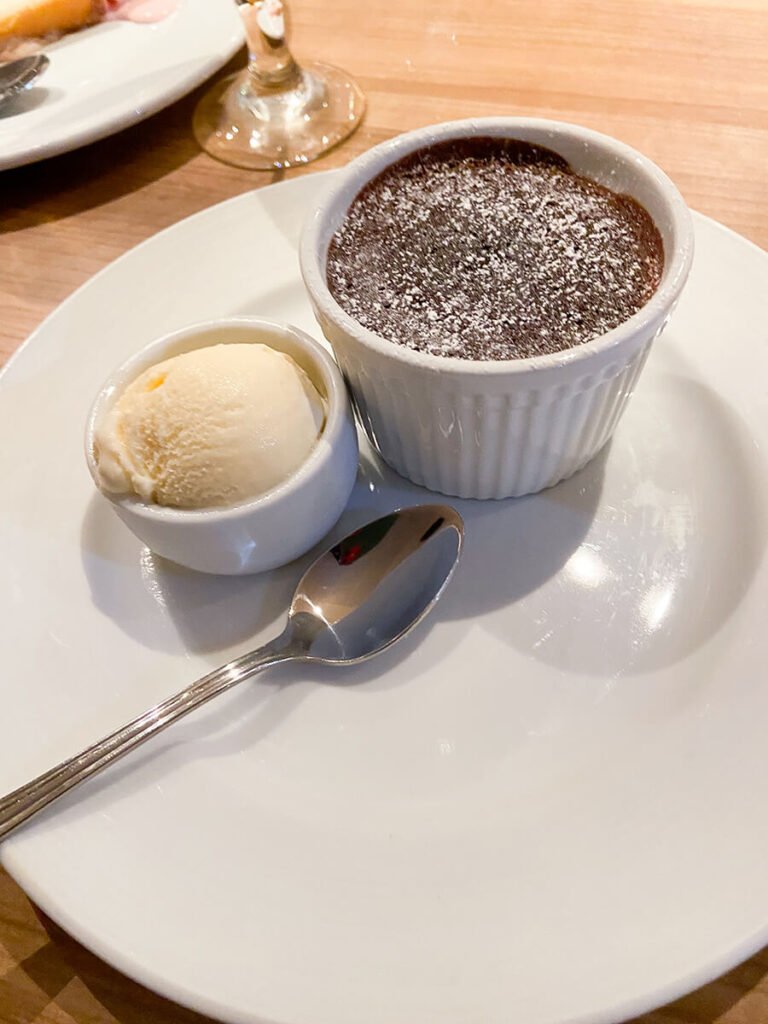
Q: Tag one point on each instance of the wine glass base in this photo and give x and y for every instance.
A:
(262, 128)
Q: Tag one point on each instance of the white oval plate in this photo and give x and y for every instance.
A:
(547, 806)
(108, 77)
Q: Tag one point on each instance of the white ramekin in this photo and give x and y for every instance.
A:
(269, 530)
(497, 429)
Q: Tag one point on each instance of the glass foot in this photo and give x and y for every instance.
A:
(260, 127)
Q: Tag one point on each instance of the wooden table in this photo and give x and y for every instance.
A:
(686, 81)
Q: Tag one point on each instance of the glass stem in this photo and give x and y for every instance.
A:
(270, 62)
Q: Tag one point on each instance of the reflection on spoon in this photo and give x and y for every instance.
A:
(18, 75)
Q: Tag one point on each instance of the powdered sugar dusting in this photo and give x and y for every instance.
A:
(492, 249)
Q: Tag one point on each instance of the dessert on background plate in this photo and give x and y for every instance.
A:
(491, 289)
(28, 25)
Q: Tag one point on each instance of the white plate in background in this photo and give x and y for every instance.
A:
(107, 77)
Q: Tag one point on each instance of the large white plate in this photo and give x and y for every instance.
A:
(549, 806)
(105, 78)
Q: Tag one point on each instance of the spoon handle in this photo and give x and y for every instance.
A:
(27, 800)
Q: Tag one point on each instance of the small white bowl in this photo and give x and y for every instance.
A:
(269, 530)
(498, 428)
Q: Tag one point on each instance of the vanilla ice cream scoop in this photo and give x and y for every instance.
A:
(212, 427)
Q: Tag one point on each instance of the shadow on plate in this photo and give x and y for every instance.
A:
(103, 171)
(673, 546)
(29, 100)
(633, 563)
(168, 608)
(512, 547)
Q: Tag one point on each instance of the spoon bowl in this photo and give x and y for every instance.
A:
(375, 585)
(18, 75)
(356, 600)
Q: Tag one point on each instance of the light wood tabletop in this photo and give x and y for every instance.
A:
(685, 81)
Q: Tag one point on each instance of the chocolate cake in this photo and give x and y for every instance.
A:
(489, 248)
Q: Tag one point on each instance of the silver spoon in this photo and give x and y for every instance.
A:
(17, 75)
(356, 600)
